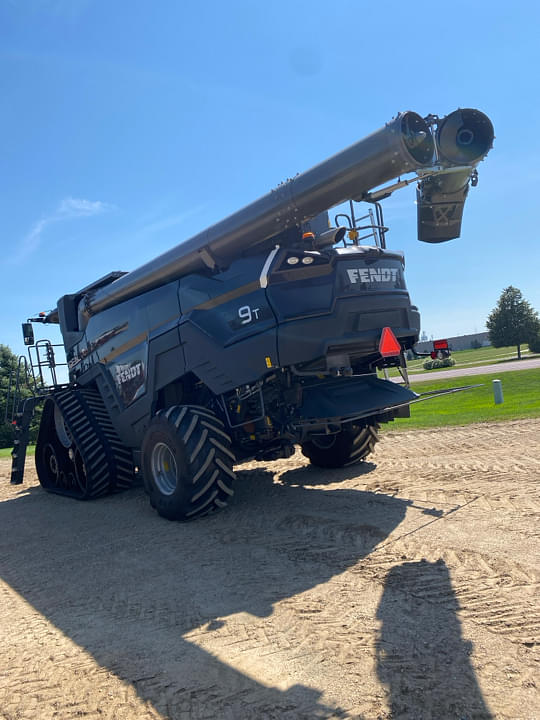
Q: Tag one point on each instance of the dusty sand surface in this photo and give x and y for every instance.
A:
(406, 587)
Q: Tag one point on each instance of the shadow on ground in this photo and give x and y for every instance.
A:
(128, 586)
(307, 475)
(421, 655)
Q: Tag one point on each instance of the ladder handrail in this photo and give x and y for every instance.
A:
(13, 394)
(48, 362)
(376, 225)
(29, 375)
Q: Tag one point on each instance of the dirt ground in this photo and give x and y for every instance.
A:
(406, 587)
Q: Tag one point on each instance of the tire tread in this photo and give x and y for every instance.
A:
(204, 458)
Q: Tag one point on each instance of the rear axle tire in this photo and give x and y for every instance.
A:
(187, 462)
(350, 445)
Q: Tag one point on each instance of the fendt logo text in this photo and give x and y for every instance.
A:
(370, 275)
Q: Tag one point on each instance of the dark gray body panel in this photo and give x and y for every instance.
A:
(228, 330)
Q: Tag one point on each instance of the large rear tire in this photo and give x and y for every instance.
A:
(351, 445)
(187, 462)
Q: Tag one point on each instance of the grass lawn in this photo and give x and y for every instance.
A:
(521, 390)
(6, 452)
(470, 358)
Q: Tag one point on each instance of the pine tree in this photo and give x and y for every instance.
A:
(513, 321)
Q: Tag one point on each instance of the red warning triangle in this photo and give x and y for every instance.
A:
(388, 344)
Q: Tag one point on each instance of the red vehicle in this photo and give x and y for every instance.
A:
(440, 350)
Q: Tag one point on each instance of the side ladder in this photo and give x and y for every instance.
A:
(30, 382)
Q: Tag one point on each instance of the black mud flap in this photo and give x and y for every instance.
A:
(339, 399)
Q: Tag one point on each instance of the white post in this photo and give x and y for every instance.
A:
(497, 392)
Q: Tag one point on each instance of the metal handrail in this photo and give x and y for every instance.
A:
(376, 225)
(13, 393)
(31, 374)
(45, 360)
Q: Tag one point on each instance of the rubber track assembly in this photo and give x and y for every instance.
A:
(96, 462)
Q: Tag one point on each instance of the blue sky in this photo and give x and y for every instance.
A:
(129, 126)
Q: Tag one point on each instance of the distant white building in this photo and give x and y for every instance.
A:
(460, 342)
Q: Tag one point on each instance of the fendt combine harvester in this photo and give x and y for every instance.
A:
(265, 331)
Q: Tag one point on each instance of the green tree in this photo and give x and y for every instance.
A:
(513, 321)
(534, 344)
(8, 368)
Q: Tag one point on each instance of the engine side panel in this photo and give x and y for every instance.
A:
(130, 351)
(228, 328)
(341, 308)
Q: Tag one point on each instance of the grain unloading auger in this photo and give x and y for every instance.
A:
(263, 332)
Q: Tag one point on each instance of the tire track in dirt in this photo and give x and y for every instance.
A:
(491, 494)
(490, 438)
(498, 594)
(358, 593)
(501, 597)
